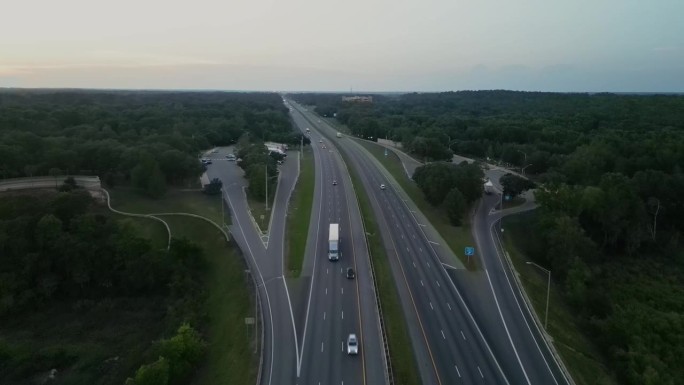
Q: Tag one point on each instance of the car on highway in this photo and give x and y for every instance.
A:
(382, 187)
(324, 147)
(230, 157)
(214, 152)
(334, 183)
(350, 273)
(206, 161)
(320, 140)
(352, 345)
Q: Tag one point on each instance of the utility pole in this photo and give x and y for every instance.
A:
(266, 185)
(223, 212)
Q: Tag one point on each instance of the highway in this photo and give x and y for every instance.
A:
(337, 306)
(466, 327)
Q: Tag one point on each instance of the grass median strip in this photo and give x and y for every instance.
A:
(457, 237)
(299, 215)
(402, 360)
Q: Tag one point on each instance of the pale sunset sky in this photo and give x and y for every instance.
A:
(321, 45)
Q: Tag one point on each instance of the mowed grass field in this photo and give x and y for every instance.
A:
(457, 237)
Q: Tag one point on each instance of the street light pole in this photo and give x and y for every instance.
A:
(548, 291)
(266, 184)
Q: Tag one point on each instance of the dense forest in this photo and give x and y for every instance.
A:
(61, 249)
(611, 190)
(149, 139)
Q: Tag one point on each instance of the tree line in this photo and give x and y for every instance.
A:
(610, 186)
(148, 139)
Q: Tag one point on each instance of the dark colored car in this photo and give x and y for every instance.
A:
(350, 273)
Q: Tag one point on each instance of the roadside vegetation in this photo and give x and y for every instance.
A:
(299, 214)
(586, 364)
(611, 196)
(402, 359)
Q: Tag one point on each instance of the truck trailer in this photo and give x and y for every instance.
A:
(334, 242)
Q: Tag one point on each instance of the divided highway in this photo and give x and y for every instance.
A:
(466, 327)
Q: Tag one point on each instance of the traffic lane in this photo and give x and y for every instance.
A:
(421, 243)
(349, 370)
(534, 353)
(523, 331)
(353, 302)
(473, 361)
(328, 303)
(379, 363)
(372, 339)
(421, 348)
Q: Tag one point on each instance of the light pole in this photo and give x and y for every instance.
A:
(266, 178)
(548, 291)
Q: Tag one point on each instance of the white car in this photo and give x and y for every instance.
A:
(352, 345)
(382, 187)
(320, 140)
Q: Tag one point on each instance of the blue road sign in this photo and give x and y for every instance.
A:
(469, 251)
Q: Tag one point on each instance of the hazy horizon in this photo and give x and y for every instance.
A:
(378, 46)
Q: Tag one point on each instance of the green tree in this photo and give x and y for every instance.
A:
(214, 187)
(514, 185)
(184, 351)
(455, 206)
(156, 373)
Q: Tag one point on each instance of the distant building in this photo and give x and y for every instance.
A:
(278, 148)
(358, 99)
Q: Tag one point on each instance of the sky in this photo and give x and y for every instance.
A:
(357, 45)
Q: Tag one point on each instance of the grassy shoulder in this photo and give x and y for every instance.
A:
(457, 237)
(231, 357)
(402, 360)
(299, 215)
(580, 355)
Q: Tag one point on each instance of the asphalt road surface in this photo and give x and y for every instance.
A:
(264, 256)
(335, 305)
(466, 327)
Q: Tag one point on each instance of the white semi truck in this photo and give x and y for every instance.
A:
(334, 242)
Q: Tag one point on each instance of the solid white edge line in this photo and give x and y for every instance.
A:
(268, 299)
(518, 304)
